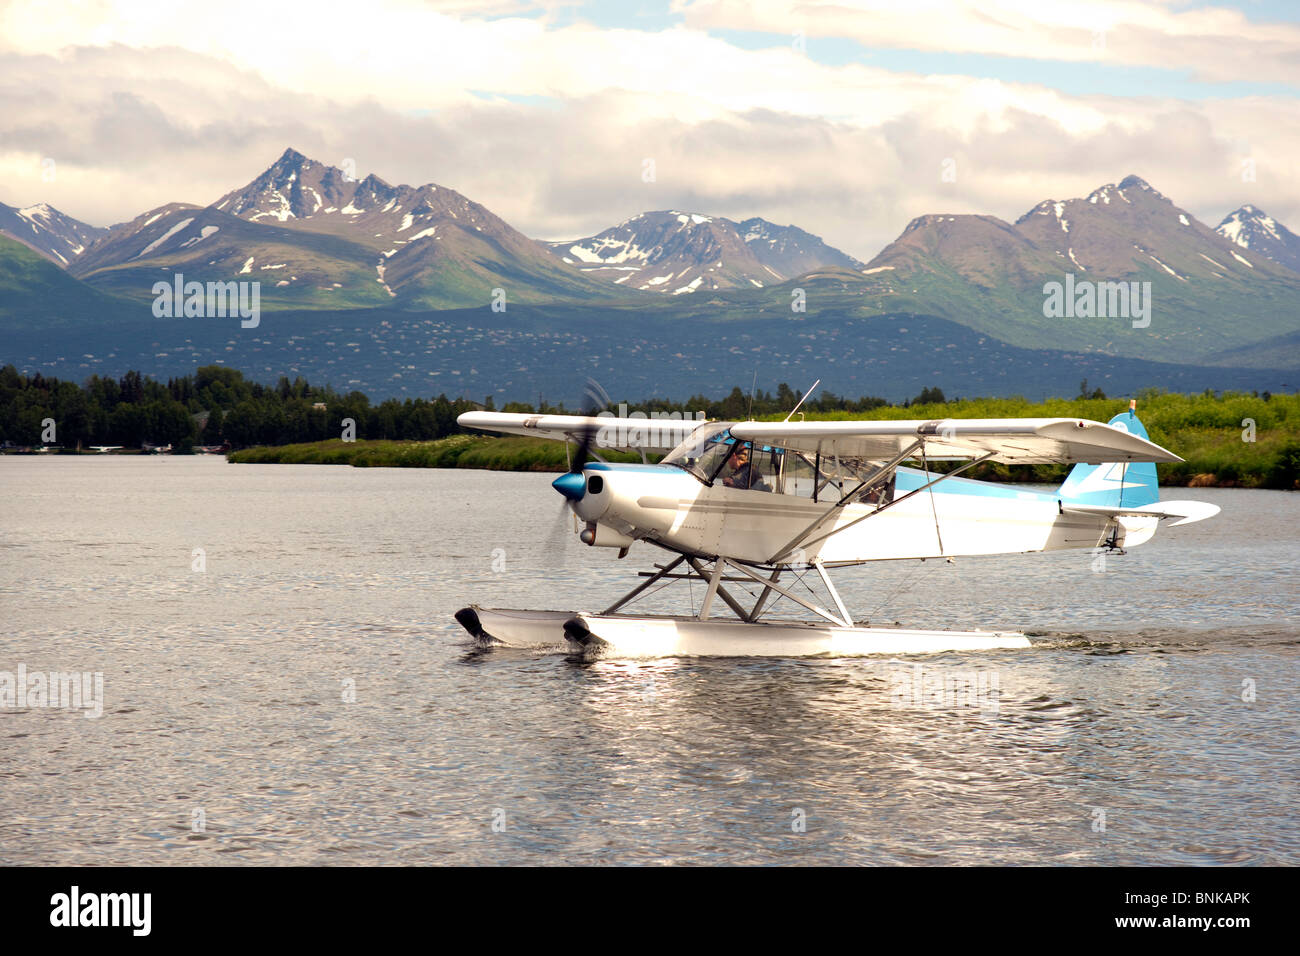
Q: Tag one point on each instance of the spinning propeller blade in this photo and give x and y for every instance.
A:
(572, 485)
(597, 400)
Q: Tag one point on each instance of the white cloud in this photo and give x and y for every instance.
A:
(146, 103)
(1216, 43)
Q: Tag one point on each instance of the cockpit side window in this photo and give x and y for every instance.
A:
(828, 479)
(751, 469)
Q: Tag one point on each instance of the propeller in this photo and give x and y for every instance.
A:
(572, 485)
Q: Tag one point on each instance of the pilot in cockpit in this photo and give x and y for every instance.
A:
(740, 473)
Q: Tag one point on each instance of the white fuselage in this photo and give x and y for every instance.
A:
(955, 517)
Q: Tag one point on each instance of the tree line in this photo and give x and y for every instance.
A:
(739, 404)
(218, 405)
(214, 406)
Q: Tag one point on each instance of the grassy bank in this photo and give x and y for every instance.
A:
(1206, 430)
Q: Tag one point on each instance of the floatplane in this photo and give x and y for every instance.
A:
(759, 513)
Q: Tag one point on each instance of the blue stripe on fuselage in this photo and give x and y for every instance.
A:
(909, 479)
(629, 466)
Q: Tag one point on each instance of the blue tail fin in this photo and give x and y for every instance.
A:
(1122, 484)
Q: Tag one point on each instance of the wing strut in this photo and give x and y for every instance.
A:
(938, 536)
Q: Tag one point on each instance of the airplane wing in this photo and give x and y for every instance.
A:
(637, 434)
(1020, 441)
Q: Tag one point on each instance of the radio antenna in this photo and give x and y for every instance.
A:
(804, 399)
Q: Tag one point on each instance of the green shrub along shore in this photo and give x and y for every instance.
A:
(1210, 431)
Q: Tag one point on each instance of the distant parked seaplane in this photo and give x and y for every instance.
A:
(105, 449)
(754, 511)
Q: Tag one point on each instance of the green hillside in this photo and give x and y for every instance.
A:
(35, 293)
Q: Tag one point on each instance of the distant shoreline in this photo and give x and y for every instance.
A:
(491, 453)
(1257, 470)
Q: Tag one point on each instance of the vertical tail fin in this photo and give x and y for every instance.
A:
(1118, 484)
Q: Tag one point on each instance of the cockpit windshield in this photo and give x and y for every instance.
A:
(703, 450)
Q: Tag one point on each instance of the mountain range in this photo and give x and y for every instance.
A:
(322, 242)
(1208, 294)
(319, 239)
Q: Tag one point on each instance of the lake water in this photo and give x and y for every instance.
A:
(297, 693)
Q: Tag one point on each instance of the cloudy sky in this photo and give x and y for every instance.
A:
(840, 116)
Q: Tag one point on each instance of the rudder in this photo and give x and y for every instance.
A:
(1117, 484)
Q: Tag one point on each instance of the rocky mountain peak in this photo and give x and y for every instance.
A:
(1251, 228)
(46, 230)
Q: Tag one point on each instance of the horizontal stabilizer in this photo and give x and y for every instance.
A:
(1185, 511)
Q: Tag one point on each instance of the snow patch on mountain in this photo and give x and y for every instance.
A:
(1165, 267)
(163, 238)
(203, 234)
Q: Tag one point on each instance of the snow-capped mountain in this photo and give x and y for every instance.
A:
(1116, 231)
(300, 193)
(1259, 232)
(675, 252)
(319, 238)
(1206, 292)
(428, 243)
(44, 229)
(790, 250)
(1124, 229)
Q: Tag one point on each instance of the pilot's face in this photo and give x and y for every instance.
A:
(740, 457)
